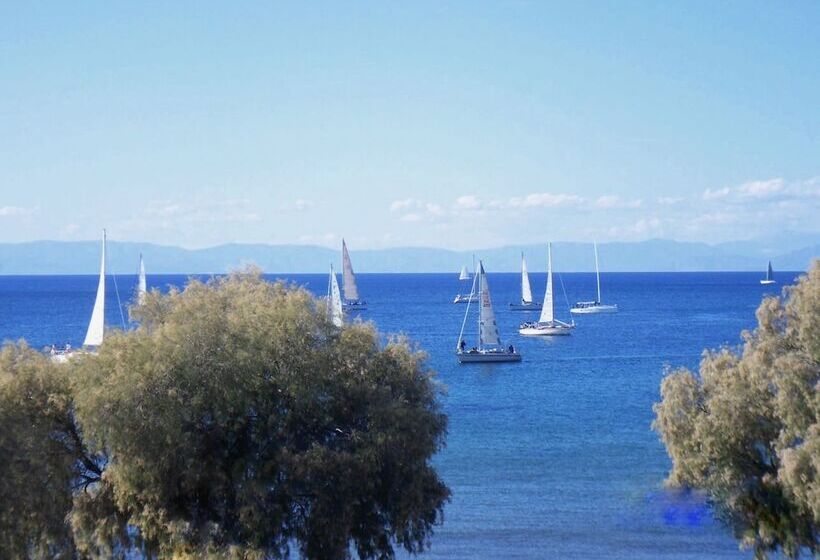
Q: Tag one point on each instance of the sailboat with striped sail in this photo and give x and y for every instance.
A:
(489, 347)
(334, 300)
(526, 304)
(547, 324)
(351, 291)
(589, 307)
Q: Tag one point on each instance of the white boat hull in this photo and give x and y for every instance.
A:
(591, 309)
(544, 329)
(354, 305)
(767, 282)
(483, 356)
(462, 298)
(535, 306)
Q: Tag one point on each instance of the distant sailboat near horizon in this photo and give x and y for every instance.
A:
(142, 285)
(547, 324)
(334, 300)
(489, 347)
(469, 297)
(769, 276)
(590, 307)
(526, 304)
(351, 291)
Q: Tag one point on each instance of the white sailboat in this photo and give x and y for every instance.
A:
(468, 297)
(142, 285)
(334, 300)
(526, 304)
(769, 276)
(96, 327)
(547, 324)
(351, 300)
(589, 307)
(489, 347)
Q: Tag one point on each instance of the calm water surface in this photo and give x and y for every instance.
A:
(549, 458)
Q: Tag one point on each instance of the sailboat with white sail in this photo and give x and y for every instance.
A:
(142, 285)
(351, 291)
(334, 300)
(769, 276)
(547, 324)
(526, 304)
(589, 307)
(463, 277)
(489, 347)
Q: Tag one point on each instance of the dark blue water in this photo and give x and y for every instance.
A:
(549, 458)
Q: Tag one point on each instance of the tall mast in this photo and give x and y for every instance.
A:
(597, 272)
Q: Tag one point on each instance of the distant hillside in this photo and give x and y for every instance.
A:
(82, 257)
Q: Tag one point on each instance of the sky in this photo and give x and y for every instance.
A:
(444, 124)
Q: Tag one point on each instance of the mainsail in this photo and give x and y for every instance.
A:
(334, 302)
(351, 291)
(547, 311)
(769, 271)
(526, 291)
(94, 335)
(142, 286)
(487, 329)
(464, 274)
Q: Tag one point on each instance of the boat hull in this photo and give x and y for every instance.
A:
(767, 282)
(545, 330)
(525, 307)
(465, 298)
(592, 309)
(487, 357)
(354, 305)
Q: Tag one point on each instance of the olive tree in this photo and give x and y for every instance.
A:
(237, 422)
(745, 428)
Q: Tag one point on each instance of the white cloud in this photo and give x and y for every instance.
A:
(403, 204)
(544, 200)
(670, 200)
(301, 204)
(467, 202)
(16, 211)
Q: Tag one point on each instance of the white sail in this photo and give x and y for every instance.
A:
(526, 291)
(464, 274)
(94, 335)
(487, 329)
(142, 286)
(769, 272)
(597, 272)
(547, 309)
(334, 302)
(351, 291)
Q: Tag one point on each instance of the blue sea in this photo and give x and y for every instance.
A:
(552, 457)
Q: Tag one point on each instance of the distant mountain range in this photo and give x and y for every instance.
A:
(787, 251)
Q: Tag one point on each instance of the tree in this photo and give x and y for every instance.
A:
(237, 421)
(746, 428)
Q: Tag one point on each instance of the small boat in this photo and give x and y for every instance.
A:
(469, 297)
(526, 292)
(547, 324)
(589, 307)
(334, 300)
(142, 285)
(489, 347)
(769, 276)
(351, 300)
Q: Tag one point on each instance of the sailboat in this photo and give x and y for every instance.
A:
(769, 276)
(351, 299)
(142, 286)
(588, 307)
(334, 300)
(547, 324)
(469, 297)
(489, 347)
(526, 292)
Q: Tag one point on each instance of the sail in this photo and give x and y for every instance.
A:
(351, 291)
(487, 329)
(769, 271)
(94, 335)
(597, 273)
(464, 274)
(334, 310)
(526, 291)
(547, 310)
(142, 286)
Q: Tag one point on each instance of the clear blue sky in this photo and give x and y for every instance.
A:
(449, 124)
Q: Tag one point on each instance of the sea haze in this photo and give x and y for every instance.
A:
(552, 457)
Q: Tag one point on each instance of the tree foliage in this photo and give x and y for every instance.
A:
(235, 422)
(745, 429)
